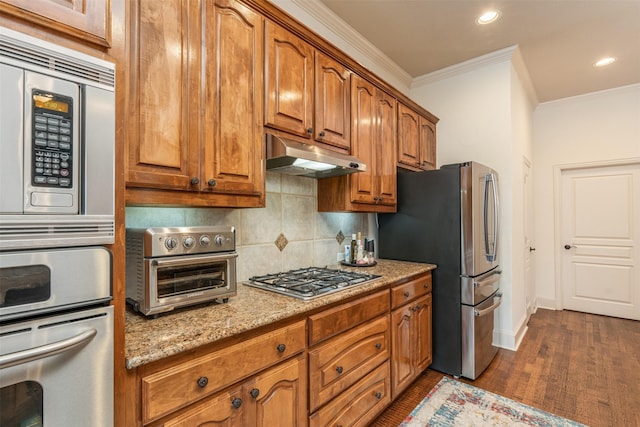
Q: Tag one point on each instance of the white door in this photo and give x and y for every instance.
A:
(600, 234)
(529, 247)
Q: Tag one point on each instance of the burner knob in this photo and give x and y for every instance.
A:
(205, 240)
(171, 243)
(188, 242)
(219, 239)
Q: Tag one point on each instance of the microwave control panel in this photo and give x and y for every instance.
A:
(52, 140)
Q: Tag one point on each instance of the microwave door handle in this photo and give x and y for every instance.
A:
(484, 312)
(47, 350)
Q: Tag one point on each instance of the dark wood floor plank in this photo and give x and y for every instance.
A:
(576, 365)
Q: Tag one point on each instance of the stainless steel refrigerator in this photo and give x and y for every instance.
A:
(449, 217)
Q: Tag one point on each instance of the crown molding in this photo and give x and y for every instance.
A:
(497, 57)
(355, 40)
(525, 78)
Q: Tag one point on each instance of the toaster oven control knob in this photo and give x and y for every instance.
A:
(205, 240)
(188, 242)
(171, 243)
(219, 239)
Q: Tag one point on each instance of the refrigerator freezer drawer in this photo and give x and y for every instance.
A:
(475, 290)
(477, 336)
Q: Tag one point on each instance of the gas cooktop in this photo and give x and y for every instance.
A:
(311, 282)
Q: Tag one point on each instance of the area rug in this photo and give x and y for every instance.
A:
(454, 403)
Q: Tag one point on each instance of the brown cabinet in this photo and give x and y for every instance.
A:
(416, 140)
(171, 388)
(277, 393)
(306, 91)
(85, 20)
(373, 140)
(195, 122)
(349, 362)
(410, 332)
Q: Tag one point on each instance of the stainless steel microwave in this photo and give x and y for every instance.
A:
(57, 145)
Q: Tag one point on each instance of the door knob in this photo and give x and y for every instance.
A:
(568, 246)
(531, 249)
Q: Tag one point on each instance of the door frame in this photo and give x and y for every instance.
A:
(557, 211)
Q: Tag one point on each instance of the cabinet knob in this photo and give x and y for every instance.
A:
(406, 294)
(339, 369)
(236, 402)
(378, 395)
(254, 393)
(281, 348)
(378, 345)
(195, 180)
(322, 134)
(310, 131)
(212, 182)
(202, 382)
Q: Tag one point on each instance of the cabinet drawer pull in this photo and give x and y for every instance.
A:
(378, 395)
(339, 369)
(281, 348)
(195, 180)
(406, 294)
(212, 182)
(426, 285)
(378, 345)
(202, 382)
(254, 393)
(322, 134)
(236, 402)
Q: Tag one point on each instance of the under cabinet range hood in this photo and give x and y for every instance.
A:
(295, 158)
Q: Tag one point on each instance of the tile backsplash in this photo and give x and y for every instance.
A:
(289, 221)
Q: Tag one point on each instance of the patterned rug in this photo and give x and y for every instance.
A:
(454, 403)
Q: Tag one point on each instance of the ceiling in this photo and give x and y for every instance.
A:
(559, 40)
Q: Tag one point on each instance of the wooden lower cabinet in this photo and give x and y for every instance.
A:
(275, 397)
(410, 342)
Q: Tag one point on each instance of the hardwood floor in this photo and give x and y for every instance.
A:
(580, 366)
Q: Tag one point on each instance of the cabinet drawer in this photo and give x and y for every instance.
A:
(331, 322)
(340, 362)
(359, 405)
(406, 292)
(175, 387)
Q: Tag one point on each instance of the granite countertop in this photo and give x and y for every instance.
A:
(148, 340)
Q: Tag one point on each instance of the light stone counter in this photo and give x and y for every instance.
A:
(148, 340)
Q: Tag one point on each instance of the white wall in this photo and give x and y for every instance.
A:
(590, 128)
(485, 116)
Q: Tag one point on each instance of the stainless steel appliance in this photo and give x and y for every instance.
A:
(449, 217)
(57, 117)
(310, 282)
(56, 338)
(176, 267)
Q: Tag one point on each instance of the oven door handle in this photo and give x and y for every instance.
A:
(47, 350)
(479, 313)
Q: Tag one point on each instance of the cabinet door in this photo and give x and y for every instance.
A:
(233, 139)
(422, 317)
(279, 395)
(164, 67)
(87, 20)
(408, 136)
(427, 144)
(222, 410)
(363, 137)
(402, 348)
(288, 81)
(332, 103)
(385, 144)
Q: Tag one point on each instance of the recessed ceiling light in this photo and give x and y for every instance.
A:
(605, 61)
(488, 17)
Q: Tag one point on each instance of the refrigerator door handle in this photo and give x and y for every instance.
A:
(491, 252)
(480, 313)
(490, 281)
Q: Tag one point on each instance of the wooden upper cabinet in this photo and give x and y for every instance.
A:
(288, 81)
(86, 20)
(233, 112)
(196, 104)
(386, 149)
(416, 140)
(332, 103)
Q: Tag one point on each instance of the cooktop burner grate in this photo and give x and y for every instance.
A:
(310, 282)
